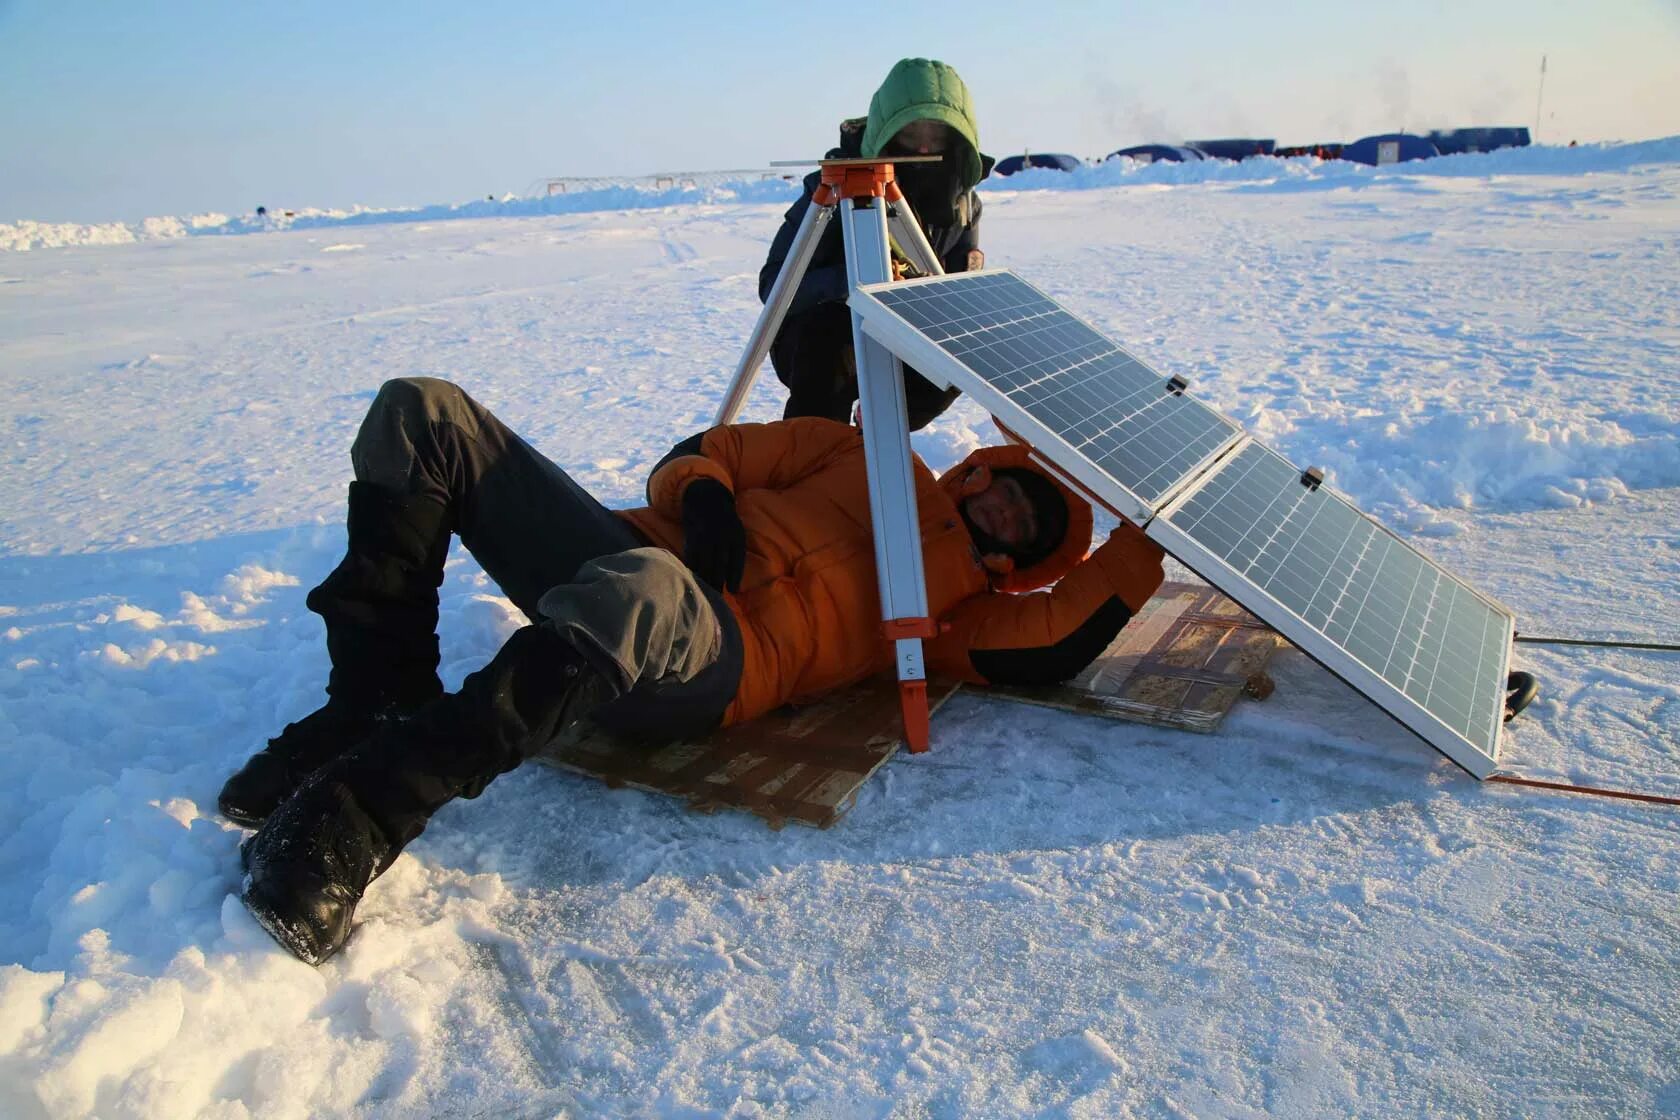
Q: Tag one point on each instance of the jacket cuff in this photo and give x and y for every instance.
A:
(1132, 563)
(665, 488)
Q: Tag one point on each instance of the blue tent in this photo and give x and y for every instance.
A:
(1233, 148)
(1390, 147)
(1056, 161)
(1459, 140)
(1153, 153)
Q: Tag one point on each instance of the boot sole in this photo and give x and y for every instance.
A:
(242, 818)
(294, 937)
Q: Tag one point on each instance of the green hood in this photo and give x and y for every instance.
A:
(920, 89)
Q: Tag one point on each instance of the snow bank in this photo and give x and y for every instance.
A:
(1307, 170)
(1536, 160)
(25, 235)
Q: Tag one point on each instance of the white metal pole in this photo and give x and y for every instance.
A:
(902, 224)
(799, 256)
(892, 482)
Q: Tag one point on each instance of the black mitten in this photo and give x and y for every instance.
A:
(714, 540)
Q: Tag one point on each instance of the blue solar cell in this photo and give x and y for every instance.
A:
(1413, 638)
(1111, 408)
(1418, 628)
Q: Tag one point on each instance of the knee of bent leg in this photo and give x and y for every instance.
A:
(422, 398)
(642, 609)
(403, 423)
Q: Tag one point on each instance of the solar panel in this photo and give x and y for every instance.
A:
(1052, 378)
(1424, 645)
(1365, 603)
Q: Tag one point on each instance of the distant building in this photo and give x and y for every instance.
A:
(1460, 140)
(1390, 147)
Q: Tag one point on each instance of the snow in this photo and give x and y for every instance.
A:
(1309, 913)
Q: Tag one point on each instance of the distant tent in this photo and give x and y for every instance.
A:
(1236, 149)
(1055, 161)
(1153, 153)
(1391, 147)
(1459, 140)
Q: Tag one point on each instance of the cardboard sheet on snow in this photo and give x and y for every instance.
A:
(1182, 662)
(802, 764)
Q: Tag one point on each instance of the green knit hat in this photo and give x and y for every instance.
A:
(922, 89)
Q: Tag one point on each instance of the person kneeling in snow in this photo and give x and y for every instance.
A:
(747, 581)
(922, 108)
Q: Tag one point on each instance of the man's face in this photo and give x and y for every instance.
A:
(920, 138)
(1002, 512)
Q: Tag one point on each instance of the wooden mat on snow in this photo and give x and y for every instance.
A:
(802, 764)
(1181, 662)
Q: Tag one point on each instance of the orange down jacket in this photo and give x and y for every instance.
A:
(809, 608)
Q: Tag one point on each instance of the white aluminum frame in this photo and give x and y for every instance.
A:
(908, 344)
(899, 574)
(939, 366)
(1321, 648)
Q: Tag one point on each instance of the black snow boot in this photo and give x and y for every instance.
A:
(273, 773)
(307, 867)
(380, 607)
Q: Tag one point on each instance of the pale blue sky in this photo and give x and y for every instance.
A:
(114, 111)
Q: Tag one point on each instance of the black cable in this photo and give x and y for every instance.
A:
(1663, 646)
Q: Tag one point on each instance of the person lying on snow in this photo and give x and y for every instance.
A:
(922, 108)
(748, 581)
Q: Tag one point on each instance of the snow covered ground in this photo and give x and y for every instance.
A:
(1311, 913)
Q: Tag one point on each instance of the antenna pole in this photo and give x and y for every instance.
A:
(1537, 98)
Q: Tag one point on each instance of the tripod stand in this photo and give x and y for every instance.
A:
(873, 214)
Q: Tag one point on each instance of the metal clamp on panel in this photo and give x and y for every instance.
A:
(1312, 478)
(897, 628)
(1176, 385)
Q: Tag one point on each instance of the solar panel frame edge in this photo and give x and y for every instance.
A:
(910, 345)
(1409, 713)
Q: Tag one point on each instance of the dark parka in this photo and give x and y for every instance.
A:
(825, 280)
(815, 333)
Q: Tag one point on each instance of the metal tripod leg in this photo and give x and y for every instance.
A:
(904, 229)
(886, 436)
(811, 228)
(907, 231)
(892, 483)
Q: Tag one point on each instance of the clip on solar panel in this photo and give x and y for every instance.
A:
(1425, 646)
(873, 214)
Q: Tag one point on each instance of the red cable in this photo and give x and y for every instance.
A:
(1621, 794)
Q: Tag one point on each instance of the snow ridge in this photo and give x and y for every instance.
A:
(1296, 173)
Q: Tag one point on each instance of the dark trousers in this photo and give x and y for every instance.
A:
(570, 564)
(813, 356)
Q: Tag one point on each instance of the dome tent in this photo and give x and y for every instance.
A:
(1459, 140)
(1154, 153)
(1056, 161)
(1233, 148)
(1390, 147)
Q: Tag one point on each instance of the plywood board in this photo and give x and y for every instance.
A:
(1182, 662)
(803, 764)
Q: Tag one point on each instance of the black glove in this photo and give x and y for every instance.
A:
(714, 540)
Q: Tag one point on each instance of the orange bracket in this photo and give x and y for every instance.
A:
(912, 695)
(895, 628)
(858, 180)
(913, 702)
